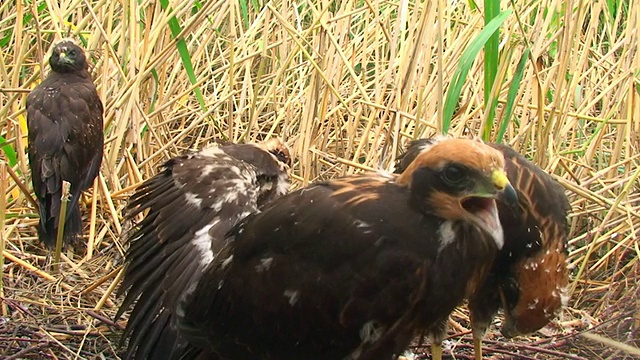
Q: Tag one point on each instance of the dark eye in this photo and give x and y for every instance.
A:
(281, 156)
(453, 174)
(71, 53)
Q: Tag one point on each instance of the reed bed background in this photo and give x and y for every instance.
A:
(346, 84)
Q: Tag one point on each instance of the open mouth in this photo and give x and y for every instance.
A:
(484, 213)
(475, 204)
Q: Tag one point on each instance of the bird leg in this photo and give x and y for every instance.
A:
(478, 330)
(436, 351)
(477, 347)
(437, 336)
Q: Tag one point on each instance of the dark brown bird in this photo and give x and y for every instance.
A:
(352, 268)
(64, 118)
(188, 207)
(529, 276)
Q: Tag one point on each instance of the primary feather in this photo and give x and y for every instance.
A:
(187, 208)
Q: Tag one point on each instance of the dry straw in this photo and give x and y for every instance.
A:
(347, 83)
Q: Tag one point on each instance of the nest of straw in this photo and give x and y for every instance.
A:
(347, 84)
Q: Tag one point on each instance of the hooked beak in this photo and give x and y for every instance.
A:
(507, 194)
(64, 58)
(483, 209)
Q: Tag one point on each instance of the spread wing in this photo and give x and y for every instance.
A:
(189, 207)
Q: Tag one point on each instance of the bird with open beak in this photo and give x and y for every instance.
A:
(356, 267)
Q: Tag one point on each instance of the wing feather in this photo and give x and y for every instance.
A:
(187, 208)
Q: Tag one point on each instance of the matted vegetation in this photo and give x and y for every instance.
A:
(347, 84)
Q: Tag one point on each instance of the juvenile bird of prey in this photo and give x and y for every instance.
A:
(64, 118)
(529, 276)
(188, 207)
(352, 268)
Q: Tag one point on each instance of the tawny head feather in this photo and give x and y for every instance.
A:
(473, 153)
(459, 180)
(279, 149)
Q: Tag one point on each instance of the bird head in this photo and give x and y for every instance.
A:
(461, 180)
(66, 57)
(535, 293)
(531, 270)
(279, 149)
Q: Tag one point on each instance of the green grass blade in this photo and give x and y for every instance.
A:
(197, 6)
(611, 6)
(244, 13)
(491, 56)
(152, 104)
(9, 152)
(185, 56)
(491, 10)
(511, 95)
(466, 61)
(6, 39)
(175, 28)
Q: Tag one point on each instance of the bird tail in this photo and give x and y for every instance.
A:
(48, 226)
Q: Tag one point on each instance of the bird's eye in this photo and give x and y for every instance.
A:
(282, 157)
(453, 174)
(71, 53)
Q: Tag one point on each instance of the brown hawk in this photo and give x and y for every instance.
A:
(188, 207)
(64, 118)
(529, 276)
(352, 268)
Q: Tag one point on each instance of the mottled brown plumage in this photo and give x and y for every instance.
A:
(188, 207)
(529, 275)
(351, 268)
(64, 118)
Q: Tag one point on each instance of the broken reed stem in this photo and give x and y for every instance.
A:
(102, 280)
(26, 265)
(92, 222)
(22, 188)
(3, 211)
(112, 208)
(66, 186)
(7, 255)
(631, 350)
(107, 293)
(125, 192)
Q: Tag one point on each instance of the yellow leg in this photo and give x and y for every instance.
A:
(436, 351)
(477, 347)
